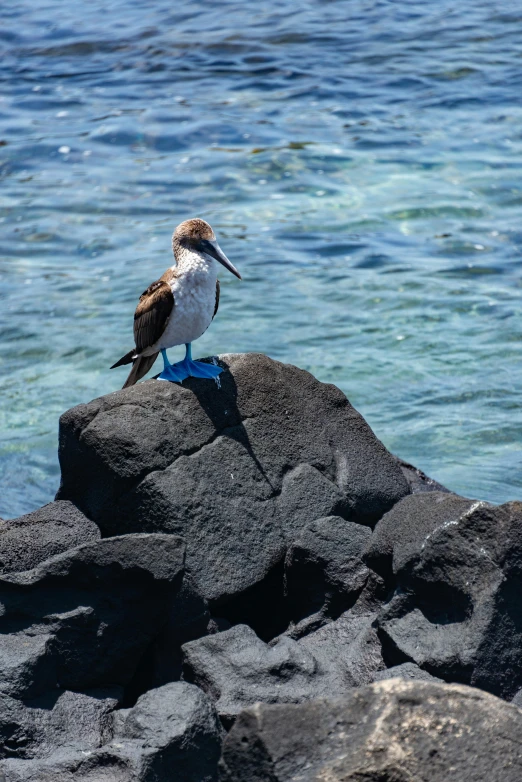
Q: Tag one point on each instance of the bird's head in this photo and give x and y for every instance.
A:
(196, 234)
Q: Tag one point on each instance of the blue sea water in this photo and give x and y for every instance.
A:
(361, 163)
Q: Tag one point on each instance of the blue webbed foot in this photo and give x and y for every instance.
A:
(178, 372)
(174, 372)
(202, 369)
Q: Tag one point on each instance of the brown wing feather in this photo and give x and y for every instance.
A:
(152, 313)
(217, 299)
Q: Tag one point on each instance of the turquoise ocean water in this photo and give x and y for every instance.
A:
(361, 164)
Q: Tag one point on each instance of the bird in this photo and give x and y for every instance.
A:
(179, 307)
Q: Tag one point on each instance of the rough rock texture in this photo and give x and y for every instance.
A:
(237, 669)
(29, 540)
(418, 481)
(317, 564)
(403, 531)
(324, 571)
(171, 732)
(392, 731)
(456, 609)
(238, 472)
(408, 671)
(188, 619)
(83, 618)
(57, 720)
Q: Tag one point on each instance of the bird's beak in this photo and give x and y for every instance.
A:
(211, 247)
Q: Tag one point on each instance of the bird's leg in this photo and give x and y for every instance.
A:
(166, 362)
(173, 372)
(188, 368)
(199, 368)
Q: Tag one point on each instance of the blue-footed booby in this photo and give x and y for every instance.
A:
(179, 307)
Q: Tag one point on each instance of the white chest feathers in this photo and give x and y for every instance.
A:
(194, 291)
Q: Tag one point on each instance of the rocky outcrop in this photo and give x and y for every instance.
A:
(84, 618)
(238, 471)
(170, 730)
(393, 731)
(56, 721)
(259, 544)
(324, 570)
(237, 669)
(31, 539)
(457, 569)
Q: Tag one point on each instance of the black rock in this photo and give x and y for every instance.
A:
(237, 669)
(349, 649)
(456, 608)
(188, 618)
(57, 720)
(391, 731)
(324, 571)
(84, 618)
(31, 539)
(418, 481)
(237, 471)
(171, 732)
(402, 531)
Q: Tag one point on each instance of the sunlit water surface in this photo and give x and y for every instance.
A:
(361, 164)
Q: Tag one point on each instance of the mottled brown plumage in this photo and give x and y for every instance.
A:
(152, 313)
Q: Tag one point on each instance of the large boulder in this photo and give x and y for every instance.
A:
(172, 730)
(238, 471)
(324, 570)
(56, 721)
(237, 669)
(30, 539)
(391, 731)
(84, 618)
(403, 531)
(457, 570)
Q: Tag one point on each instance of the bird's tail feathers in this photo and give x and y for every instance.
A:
(140, 367)
(126, 359)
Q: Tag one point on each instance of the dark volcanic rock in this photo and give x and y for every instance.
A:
(237, 471)
(84, 618)
(171, 733)
(418, 481)
(55, 721)
(348, 648)
(29, 540)
(456, 609)
(403, 530)
(188, 619)
(392, 731)
(237, 669)
(324, 571)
